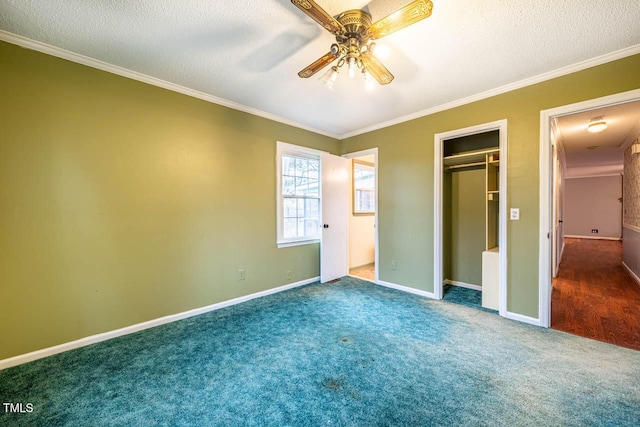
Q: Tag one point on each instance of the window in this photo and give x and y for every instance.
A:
(298, 170)
(364, 188)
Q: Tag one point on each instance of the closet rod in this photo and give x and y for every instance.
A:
(466, 165)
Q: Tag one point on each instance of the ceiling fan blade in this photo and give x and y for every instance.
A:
(317, 65)
(376, 69)
(319, 15)
(410, 14)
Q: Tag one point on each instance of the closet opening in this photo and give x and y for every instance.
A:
(470, 252)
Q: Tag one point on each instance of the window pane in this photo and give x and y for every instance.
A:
(289, 207)
(302, 186)
(311, 227)
(313, 189)
(364, 184)
(301, 166)
(290, 227)
(288, 165)
(300, 210)
(314, 169)
(365, 179)
(312, 208)
(288, 186)
(301, 227)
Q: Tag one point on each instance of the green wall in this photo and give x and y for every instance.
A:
(405, 155)
(121, 202)
(467, 219)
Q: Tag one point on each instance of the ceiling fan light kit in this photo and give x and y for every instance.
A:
(354, 33)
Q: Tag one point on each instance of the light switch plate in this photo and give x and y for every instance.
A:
(514, 214)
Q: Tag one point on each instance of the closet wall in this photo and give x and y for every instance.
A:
(467, 225)
(470, 205)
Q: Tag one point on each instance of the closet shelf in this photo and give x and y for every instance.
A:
(469, 157)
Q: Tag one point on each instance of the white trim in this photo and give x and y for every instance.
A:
(285, 244)
(631, 227)
(463, 285)
(438, 276)
(406, 289)
(376, 251)
(573, 236)
(45, 352)
(361, 153)
(633, 275)
(439, 138)
(545, 231)
(598, 60)
(523, 319)
(134, 75)
(592, 176)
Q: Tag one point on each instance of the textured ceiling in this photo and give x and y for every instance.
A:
(249, 52)
(599, 153)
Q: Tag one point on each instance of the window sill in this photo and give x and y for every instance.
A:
(297, 243)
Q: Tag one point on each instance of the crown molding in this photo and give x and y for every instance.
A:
(598, 60)
(594, 175)
(134, 75)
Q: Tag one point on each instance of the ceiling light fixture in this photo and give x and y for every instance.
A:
(330, 77)
(354, 33)
(597, 124)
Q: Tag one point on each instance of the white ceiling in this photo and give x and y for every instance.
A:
(247, 53)
(599, 153)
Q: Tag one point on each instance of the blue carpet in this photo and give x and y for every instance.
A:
(464, 296)
(348, 353)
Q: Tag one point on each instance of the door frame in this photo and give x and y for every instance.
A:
(438, 146)
(353, 155)
(547, 193)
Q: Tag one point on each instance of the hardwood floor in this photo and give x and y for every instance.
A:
(593, 296)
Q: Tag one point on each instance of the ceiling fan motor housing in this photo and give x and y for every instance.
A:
(356, 23)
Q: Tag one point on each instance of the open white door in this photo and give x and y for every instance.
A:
(335, 217)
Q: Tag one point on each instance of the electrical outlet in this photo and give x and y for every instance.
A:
(241, 275)
(394, 265)
(288, 275)
(594, 231)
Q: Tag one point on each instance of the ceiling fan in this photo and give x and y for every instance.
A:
(354, 34)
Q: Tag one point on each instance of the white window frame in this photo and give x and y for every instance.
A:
(283, 148)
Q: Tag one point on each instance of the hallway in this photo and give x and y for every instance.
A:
(593, 296)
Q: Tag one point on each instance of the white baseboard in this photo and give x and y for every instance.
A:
(592, 237)
(632, 273)
(45, 352)
(462, 284)
(524, 319)
(406, 289)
